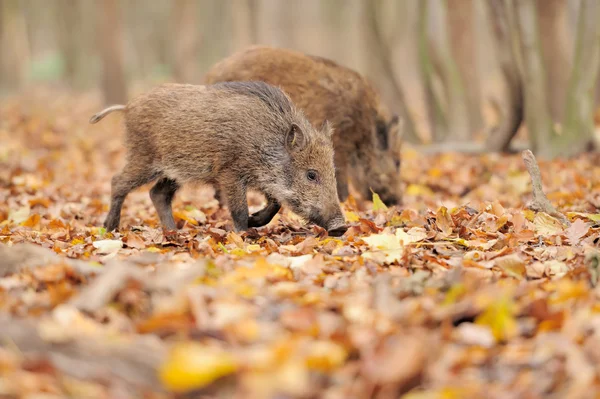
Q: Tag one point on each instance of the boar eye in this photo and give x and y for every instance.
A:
(397, 163)
(312, 175)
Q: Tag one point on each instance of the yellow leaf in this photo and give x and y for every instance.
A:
(378, 204)
(32, 221)
(191, 366)
(325, 356)
(386, 248)
(546, 225)
(529, 214)
(454, 293)
(499, 317)
(352, 217)
(418, 190)
(253, 248)
(184, 216)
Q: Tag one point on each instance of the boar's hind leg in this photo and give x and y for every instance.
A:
(341, 178)
(341, 175)
(162, 195)
(121, 185)
(235, 194)
(265, 215)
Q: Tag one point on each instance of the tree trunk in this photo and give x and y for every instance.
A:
(501, 136)
(243, 21)
(14, 45)
(463, 40)
(554, 33)
(454, 88)
(379, 51)
(185, 40)
(537, 114)
(73, 42)
(578, 128)
(435, 109)
(110, 40)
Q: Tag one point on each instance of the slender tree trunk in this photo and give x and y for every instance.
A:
(537, 114)
(456, 98)
(243, 21)
(378, 50)
(578, 128)
(554, 33)
(463, 39)
(185, 40)
(512, 115)
(435, 109)
(110, 39)
(14, 45)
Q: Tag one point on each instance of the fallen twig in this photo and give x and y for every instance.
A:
(539, 202)
(133, 361)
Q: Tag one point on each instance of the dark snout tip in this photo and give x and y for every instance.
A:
(338, 231)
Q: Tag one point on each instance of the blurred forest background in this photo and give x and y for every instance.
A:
(466, 75)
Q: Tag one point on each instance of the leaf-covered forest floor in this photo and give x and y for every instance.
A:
(461, 292)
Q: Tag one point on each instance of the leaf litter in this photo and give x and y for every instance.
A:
(466, 290)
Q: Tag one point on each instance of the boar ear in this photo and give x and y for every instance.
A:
(397, 131)
(327, 129)
(295, 139)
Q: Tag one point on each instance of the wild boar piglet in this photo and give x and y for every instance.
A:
(236, 136)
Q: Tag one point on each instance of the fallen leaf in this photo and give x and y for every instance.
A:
(191, 366)
(19, 215)
(546, 225)
(513, 265)
(378, 204)
(108, 246)
(499, 317)
(384, 247)
(576, 231)
(444, 221)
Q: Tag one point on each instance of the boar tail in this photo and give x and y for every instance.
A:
(105, 112)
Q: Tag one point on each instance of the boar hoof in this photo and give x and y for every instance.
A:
(338, 231)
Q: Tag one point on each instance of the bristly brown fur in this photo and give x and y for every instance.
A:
(236, 136)
(366, 135)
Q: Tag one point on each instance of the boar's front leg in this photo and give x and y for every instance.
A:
(235, 194)
(265, 215)
(162, 196)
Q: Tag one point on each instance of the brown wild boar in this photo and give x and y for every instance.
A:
(236, 136)
(366, 135)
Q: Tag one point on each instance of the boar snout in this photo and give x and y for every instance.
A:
(335, 224)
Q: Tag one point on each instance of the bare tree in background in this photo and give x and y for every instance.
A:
(74, 41)
(379, 53)
(110, 43)
(576, 135)
(443, 83)
(185, 40)
(438, 124)
(243, 21)
(13, 45)
(554, 35)
(529, 51)
(513, 108)
(461, 26)
(578, 127)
